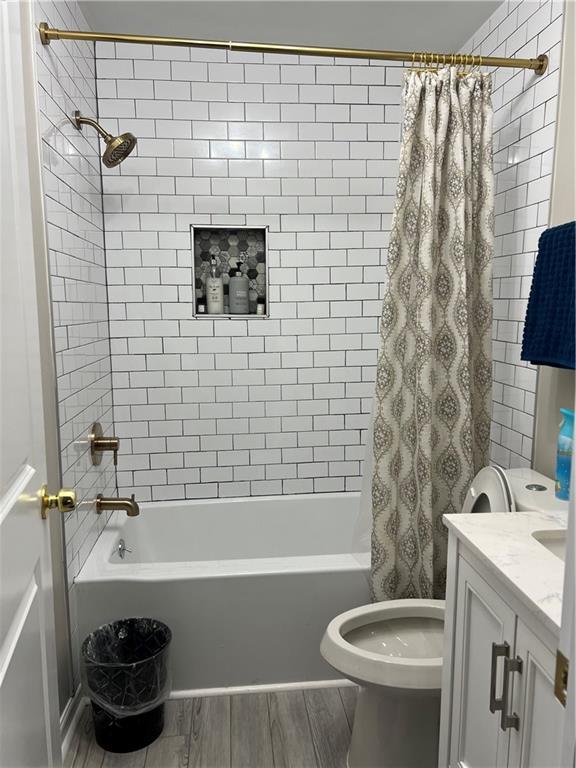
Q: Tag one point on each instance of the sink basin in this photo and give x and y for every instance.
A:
(554, 541)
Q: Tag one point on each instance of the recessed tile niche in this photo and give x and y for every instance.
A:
(231, 248)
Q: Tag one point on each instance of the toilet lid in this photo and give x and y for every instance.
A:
(490, 492)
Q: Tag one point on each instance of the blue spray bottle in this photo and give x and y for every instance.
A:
(564, 454)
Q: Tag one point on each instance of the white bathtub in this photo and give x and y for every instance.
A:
(247, 585)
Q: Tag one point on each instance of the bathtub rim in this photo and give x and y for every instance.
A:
(275, 498)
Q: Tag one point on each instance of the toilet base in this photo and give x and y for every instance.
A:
(395, 728)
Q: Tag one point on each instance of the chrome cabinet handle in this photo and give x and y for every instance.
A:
(506, 720)
(498, 650)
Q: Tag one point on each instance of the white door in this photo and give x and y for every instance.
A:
(29, 728)
(484, 632)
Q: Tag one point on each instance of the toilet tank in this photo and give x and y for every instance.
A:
(533, 491)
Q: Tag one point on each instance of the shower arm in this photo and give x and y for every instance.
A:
(79, 121)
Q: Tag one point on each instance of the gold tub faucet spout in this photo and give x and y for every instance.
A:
(130, 506)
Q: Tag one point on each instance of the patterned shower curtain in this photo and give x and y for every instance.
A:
(432, 405)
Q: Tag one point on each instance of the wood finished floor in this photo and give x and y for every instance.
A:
(292, 729)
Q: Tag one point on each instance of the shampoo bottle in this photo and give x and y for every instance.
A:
(564, 454)
(214, 291)
(239, 285)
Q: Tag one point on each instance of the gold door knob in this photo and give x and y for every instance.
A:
(64, 501)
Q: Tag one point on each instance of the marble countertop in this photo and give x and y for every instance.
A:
(505, 544)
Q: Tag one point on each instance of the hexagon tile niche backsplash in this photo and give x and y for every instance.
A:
(230, 246)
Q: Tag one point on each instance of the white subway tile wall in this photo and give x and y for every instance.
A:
(525, 107)
(306, 146)
(310, 148)
(74, 222)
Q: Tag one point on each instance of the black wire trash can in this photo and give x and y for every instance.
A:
(125, 674)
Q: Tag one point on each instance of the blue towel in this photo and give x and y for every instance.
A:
(549, 329)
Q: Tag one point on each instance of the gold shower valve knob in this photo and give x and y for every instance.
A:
(63, 501)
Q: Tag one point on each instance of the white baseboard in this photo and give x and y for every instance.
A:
(263, 688)
(69, 720)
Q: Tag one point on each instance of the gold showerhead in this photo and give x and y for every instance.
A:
(117, 147)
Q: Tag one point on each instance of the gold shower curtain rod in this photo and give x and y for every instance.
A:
(538, 65)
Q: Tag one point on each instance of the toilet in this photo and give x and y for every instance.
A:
(393, 649)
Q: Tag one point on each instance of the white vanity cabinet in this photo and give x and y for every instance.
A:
(498, 704)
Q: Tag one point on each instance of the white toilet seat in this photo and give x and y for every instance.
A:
(419, 669)
(489, 492)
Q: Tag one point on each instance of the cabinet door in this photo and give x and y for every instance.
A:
(482, 619)
(537, 742)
